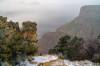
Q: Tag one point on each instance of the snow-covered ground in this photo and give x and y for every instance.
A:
(80, 63)
(57, 61)
(74, 63)
(39, 59)
(45, 58)
(27, 63)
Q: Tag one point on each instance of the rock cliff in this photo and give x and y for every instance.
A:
(86, 25)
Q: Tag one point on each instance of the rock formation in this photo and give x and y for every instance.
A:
(86, 25)
(16, 41)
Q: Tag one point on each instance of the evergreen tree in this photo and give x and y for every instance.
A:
(68, 46)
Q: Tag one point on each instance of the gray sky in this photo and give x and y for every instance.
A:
(49, 14)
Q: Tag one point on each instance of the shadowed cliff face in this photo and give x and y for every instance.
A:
(48, 41)
(90, 11)
(86, 25)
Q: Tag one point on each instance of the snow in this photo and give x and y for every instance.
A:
(80, 63)
(57, 61)
(45, 58)
(39, 59)
(27, 63)
(74, 63)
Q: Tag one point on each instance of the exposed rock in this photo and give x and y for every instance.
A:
(86, 25)
(29, 31)
(48, 41)
(14, 40)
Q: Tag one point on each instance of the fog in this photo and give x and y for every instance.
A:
(48, 14)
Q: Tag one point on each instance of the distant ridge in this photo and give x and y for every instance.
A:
(86, 25)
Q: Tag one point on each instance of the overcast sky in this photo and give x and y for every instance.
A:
(49, 14)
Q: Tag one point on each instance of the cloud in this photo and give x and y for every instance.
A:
(1, 0)
(49, 14)
(30, 2)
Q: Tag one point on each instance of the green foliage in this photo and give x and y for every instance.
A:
(3, 19)
(74, 48)
(13, 46)
(11, 50)
(68, 46)
(98, 37)
(96, 55)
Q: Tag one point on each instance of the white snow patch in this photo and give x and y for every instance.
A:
(45, 58)
(57, 61)
(80, 63)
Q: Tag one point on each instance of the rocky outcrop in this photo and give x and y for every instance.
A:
(16, 41)
(29, 31)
